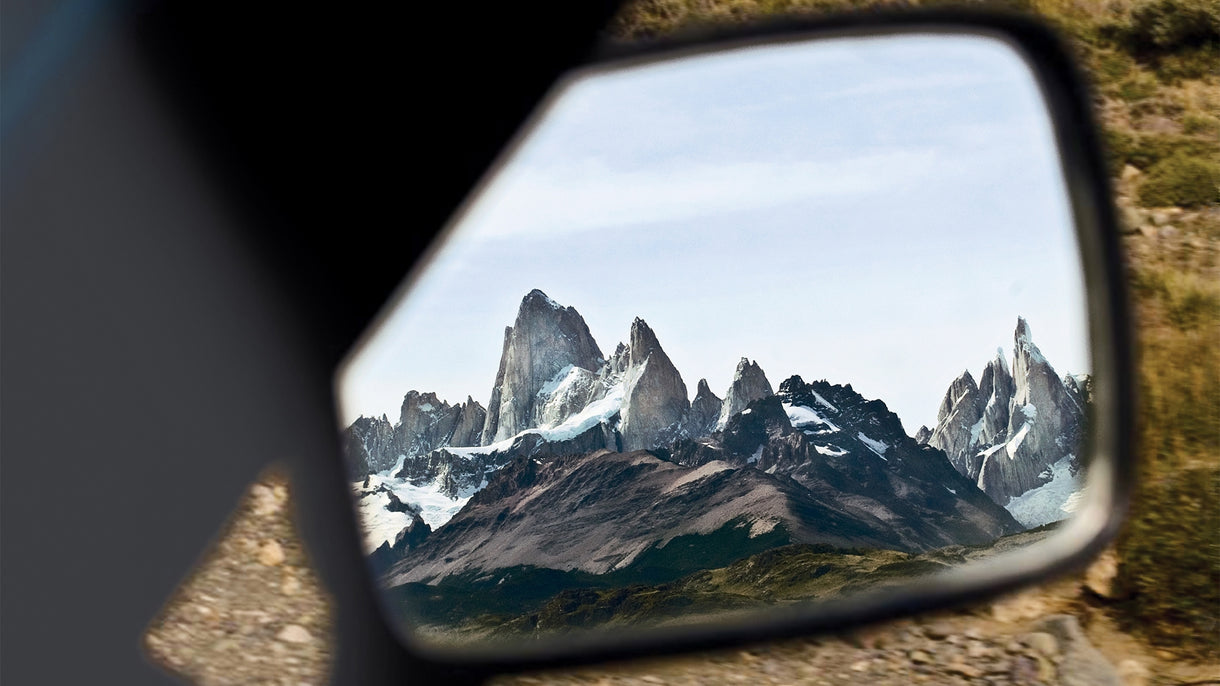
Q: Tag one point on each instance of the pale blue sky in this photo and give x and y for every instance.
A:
(868, 211)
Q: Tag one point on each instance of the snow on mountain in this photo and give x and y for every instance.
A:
(383, 516)
(1053, 501)
(556, 396)
(805, 417)
(876, 446)
(1008, 433)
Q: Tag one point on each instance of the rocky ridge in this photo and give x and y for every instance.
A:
(1011, 432)
(854, 453)
(848, 453)
(553, 386)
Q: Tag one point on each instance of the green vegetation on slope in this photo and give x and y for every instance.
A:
(1170, 551)
(1155, 66)
(779, 576)
(1181, 180)
(522, 589)
(1171, 561)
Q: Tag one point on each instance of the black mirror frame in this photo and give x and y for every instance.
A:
(1082, 163)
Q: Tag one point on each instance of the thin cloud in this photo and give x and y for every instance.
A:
(538, 202)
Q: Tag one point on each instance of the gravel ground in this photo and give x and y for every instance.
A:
(254, 613)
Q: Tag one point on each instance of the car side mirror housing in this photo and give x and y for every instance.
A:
(823, 249)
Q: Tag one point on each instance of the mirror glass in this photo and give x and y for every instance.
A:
(740, 330)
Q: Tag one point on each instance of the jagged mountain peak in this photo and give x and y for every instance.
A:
(536, 298)
(544, 340)
(853, 451)
(643, 342)
(961, 390)
(1024, 348)
(704, 411)
(1023, 330)
(655, 402)
(789, 386)
(999, 360)
(426, 422)
(745, 366)
(420, 396)
(1009, 436)
(749, 384)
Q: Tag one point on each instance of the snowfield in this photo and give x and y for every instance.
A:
(876, 446)
(1051, 502)
(381, 525)
(803, 416)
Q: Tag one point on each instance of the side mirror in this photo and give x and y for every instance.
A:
(661, 382)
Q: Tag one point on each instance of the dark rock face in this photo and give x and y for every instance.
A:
(1080, 387)
(923, 435)
(816, 461)
(855, 454)
(1006, 435)
(491, 421)
(454, 473)
(749, 384)
(459, 473)
(704, 412)
(545, 339)
(597, 512)
(654, 398)
(411, 536)
(368, 446)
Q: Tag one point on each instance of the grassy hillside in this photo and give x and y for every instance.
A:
(1155, 67)
(778, 576)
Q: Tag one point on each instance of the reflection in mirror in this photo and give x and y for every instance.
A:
(736, 331)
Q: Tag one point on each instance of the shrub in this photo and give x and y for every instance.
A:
(1198, 124)
(1190, 62)
(1170, 569)
(1138, 86)
(1181, 180)
(1179, 317)
(1112, 65)
(1146, 150)
(1184, 299)
(1170, 25)
(1169, 551)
